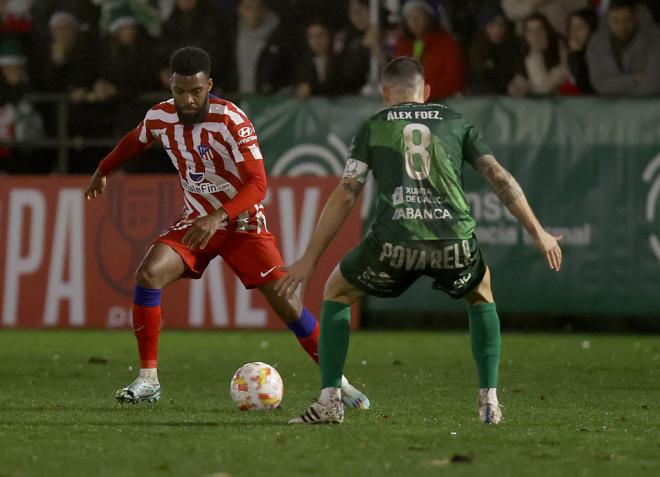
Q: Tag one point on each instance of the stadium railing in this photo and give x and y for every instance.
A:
(64, 142)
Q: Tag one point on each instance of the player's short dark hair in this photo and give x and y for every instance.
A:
(189, 61)
(403, 71)
(616, 4)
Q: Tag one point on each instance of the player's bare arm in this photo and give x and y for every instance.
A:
(512, 196)
(203, 228)
(96, 185)
(332, 217)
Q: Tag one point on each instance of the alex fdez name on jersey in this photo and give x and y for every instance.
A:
(411, 115)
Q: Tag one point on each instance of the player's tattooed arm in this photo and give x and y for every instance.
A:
(354, 177)
(352, 186)
(501, 181)
(511, 194)
(356, 169)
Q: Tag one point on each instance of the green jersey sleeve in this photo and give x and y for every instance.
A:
(474, 144)
(359, 159)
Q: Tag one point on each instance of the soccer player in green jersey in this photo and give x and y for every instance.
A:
(423, 226)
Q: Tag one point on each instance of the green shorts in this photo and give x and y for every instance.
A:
(387, 269)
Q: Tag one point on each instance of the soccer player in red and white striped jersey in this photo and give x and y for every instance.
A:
(214, 147)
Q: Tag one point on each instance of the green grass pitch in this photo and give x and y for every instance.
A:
(574, 405)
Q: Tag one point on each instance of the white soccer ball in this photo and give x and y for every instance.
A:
(256, 387)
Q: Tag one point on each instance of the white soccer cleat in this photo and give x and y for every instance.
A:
(352, 396)
(320, 413)
(142, 389)
(489, 407)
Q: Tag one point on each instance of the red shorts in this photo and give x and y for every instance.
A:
(254, 257)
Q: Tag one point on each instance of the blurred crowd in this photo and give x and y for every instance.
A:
(105, 54)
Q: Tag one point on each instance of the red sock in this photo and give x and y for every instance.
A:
(311, 343)
(146, 324)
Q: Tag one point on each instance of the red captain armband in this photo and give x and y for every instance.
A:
(128, 147)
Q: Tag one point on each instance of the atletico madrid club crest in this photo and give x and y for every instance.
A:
(205, 151)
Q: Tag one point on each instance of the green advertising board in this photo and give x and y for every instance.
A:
(590, 169)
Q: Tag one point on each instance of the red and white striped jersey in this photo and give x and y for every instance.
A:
(206, 155)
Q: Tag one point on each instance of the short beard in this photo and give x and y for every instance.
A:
(197, 117)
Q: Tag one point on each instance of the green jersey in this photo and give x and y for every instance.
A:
(416, 153)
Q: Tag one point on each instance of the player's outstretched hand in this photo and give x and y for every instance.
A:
(96, 185)
(548, 245)
(296, 274)
(202, 229)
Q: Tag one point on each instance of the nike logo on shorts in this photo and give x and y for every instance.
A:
(267, 272)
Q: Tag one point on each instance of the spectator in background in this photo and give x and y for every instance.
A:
(581, 25)
(301, 12)
(556, 11)
(14, 22)
(196, 23)
(165, 8)
(15, 81)
(463, 17)
(624, 53)
(18, 118)
(263, 51)
(68, 67)
(423, 39)
(142, 13)
(357, 44)
(20, 7)
(544, 63)
(319, 72)
(86, 12)
(653, 6)
(493, 54)
(68, 63)
(125, 67)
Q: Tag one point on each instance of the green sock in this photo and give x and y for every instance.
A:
(485, 337)
(333, 342)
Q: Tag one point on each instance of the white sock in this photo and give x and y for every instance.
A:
(344, 381)
(329, 394)
(490, 394)
(150, 373)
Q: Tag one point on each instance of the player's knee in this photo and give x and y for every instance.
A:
(289, 310)
(338, 289)
(335, 292)
(483, 293)
(147, 276)
(330, 291)
(479, 298)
